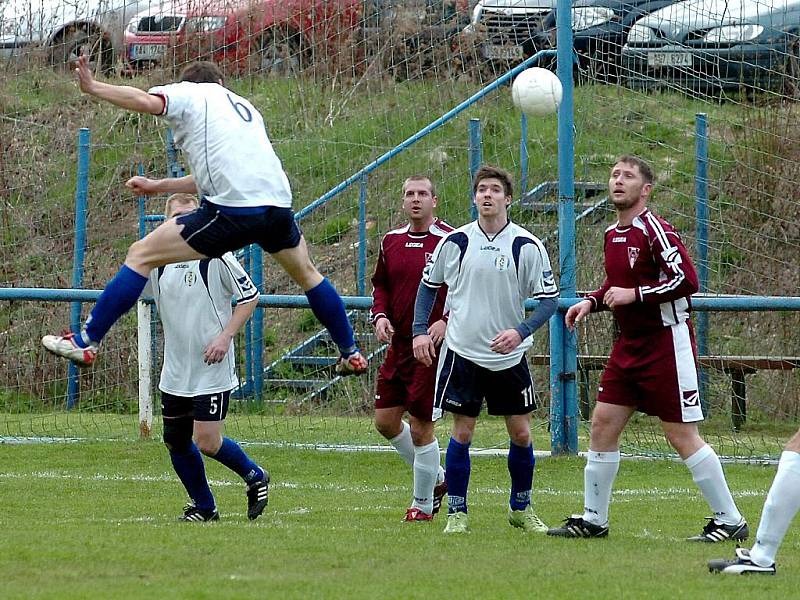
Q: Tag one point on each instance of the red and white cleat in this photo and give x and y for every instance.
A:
(355, 364)
(65, 346)
(415, 514)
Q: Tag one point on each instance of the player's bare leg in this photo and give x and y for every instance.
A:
(326, 304)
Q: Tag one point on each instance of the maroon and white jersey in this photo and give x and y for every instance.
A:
(402, 258)
(649, 257)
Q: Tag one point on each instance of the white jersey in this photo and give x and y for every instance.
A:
(226, 144)
(489, 278)
(194, 302)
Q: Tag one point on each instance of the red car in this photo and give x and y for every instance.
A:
(272, 36)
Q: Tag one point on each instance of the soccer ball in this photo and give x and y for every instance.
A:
(536, 92)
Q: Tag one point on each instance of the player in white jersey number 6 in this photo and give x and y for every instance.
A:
(245, 200)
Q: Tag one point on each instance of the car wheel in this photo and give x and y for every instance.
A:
(74, 41)
(278, 52)
(791, 72)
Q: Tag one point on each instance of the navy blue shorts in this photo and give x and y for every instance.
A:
(205, 407)
(212, 232)
(462, 386)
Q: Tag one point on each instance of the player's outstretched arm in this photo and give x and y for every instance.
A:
(124, 96)
(144, 186)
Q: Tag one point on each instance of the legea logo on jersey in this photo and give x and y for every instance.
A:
(415, 245)
(633, 254)
(501, 262)
(189, 278)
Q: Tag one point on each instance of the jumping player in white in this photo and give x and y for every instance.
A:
(491, 267)
(245, 199)
(194, 303)
(648, 284)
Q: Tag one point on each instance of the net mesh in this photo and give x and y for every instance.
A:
(342, 83)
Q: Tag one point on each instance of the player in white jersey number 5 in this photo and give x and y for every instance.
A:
(245, 200)
(490, 266)
(194, 302)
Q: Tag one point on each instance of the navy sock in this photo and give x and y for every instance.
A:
(232, 456)
(520, 467)
(457, 466)
(118, 297)
(327, 306)
(192, 473)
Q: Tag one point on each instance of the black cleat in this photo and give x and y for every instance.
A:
(576, 527)
(257, 497)
(715, 532)
(741, 565)
(193, 514)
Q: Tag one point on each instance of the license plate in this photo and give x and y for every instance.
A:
(148, 51)
(669, 59)
(495, 52)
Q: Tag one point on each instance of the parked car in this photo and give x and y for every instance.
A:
(508, 30)
(62, 30)
(600, 28)
(705, 45)
(271, 36)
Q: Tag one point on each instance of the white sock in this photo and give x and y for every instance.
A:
(783, 502)
(598, 478)
(426, 468)
(441, 476)
(707, 474)
(403, 444)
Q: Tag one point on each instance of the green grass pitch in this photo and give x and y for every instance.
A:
(97, 520)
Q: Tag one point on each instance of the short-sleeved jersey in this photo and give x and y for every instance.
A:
(649, 257)
(489, 278)
(194, 302)
(401, 259)
(226, 144)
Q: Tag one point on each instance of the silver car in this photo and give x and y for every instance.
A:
(63, 29)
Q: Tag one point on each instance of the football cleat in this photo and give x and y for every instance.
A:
(65, 346)
(527, 520)
(193, 514)
(741, 565)
(416, 514)
(457, 523)
(257, 497)
(715, 532)
(355, 364)
(439, 492)
(576, 527)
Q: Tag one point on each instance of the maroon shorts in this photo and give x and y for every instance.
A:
(404, 381)
(656, 373)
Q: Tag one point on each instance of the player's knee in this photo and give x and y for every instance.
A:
(388, 428)
(521, 438)
(178, 434)
(208, 442)
(136, 256)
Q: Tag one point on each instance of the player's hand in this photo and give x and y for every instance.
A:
(142, 186)
(84, 75)
(384, 330)
(436, 332)
(506, 341)
(424, 349)
(617, 296)
(217, 349)
(577, 312)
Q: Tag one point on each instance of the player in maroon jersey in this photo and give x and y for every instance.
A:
(404, 384)
(652, 367)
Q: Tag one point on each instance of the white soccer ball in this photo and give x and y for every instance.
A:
(537, 92)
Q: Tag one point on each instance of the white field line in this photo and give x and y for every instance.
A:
(622, 494)
(475, 452)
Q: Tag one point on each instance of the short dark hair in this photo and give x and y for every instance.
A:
(490, 172)
(644, 167)
(420, 178)
(202, 71)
